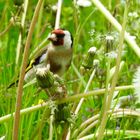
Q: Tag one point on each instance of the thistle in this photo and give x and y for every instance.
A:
(45, 78)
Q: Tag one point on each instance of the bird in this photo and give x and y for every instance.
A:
(57, 55)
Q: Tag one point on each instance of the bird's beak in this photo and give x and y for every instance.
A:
(52, 37)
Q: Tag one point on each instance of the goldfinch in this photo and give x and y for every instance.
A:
(56, 56)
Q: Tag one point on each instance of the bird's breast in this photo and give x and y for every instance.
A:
(59, 61)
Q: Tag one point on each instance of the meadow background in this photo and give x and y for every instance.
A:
(92, 73)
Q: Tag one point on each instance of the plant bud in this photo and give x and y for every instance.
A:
(45, 78)
(88, 62)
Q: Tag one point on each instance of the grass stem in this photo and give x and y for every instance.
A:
(114, 80)
(18, 51)
(64, 100)
(22, 72)
(57, 21)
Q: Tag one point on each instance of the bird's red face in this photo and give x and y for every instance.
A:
(57, 37)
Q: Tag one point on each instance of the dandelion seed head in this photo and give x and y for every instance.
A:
(92, 50)
(54, 7)
(133, 14)
(111, 54)
(84, 3)
(109, 38)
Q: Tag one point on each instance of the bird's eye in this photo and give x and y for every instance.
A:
(60, 35)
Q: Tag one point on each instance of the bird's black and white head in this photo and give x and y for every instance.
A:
(61, 38)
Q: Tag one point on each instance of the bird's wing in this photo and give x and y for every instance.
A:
(38, 52)
(38, 58)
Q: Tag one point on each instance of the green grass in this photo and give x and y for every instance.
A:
(89, 28)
